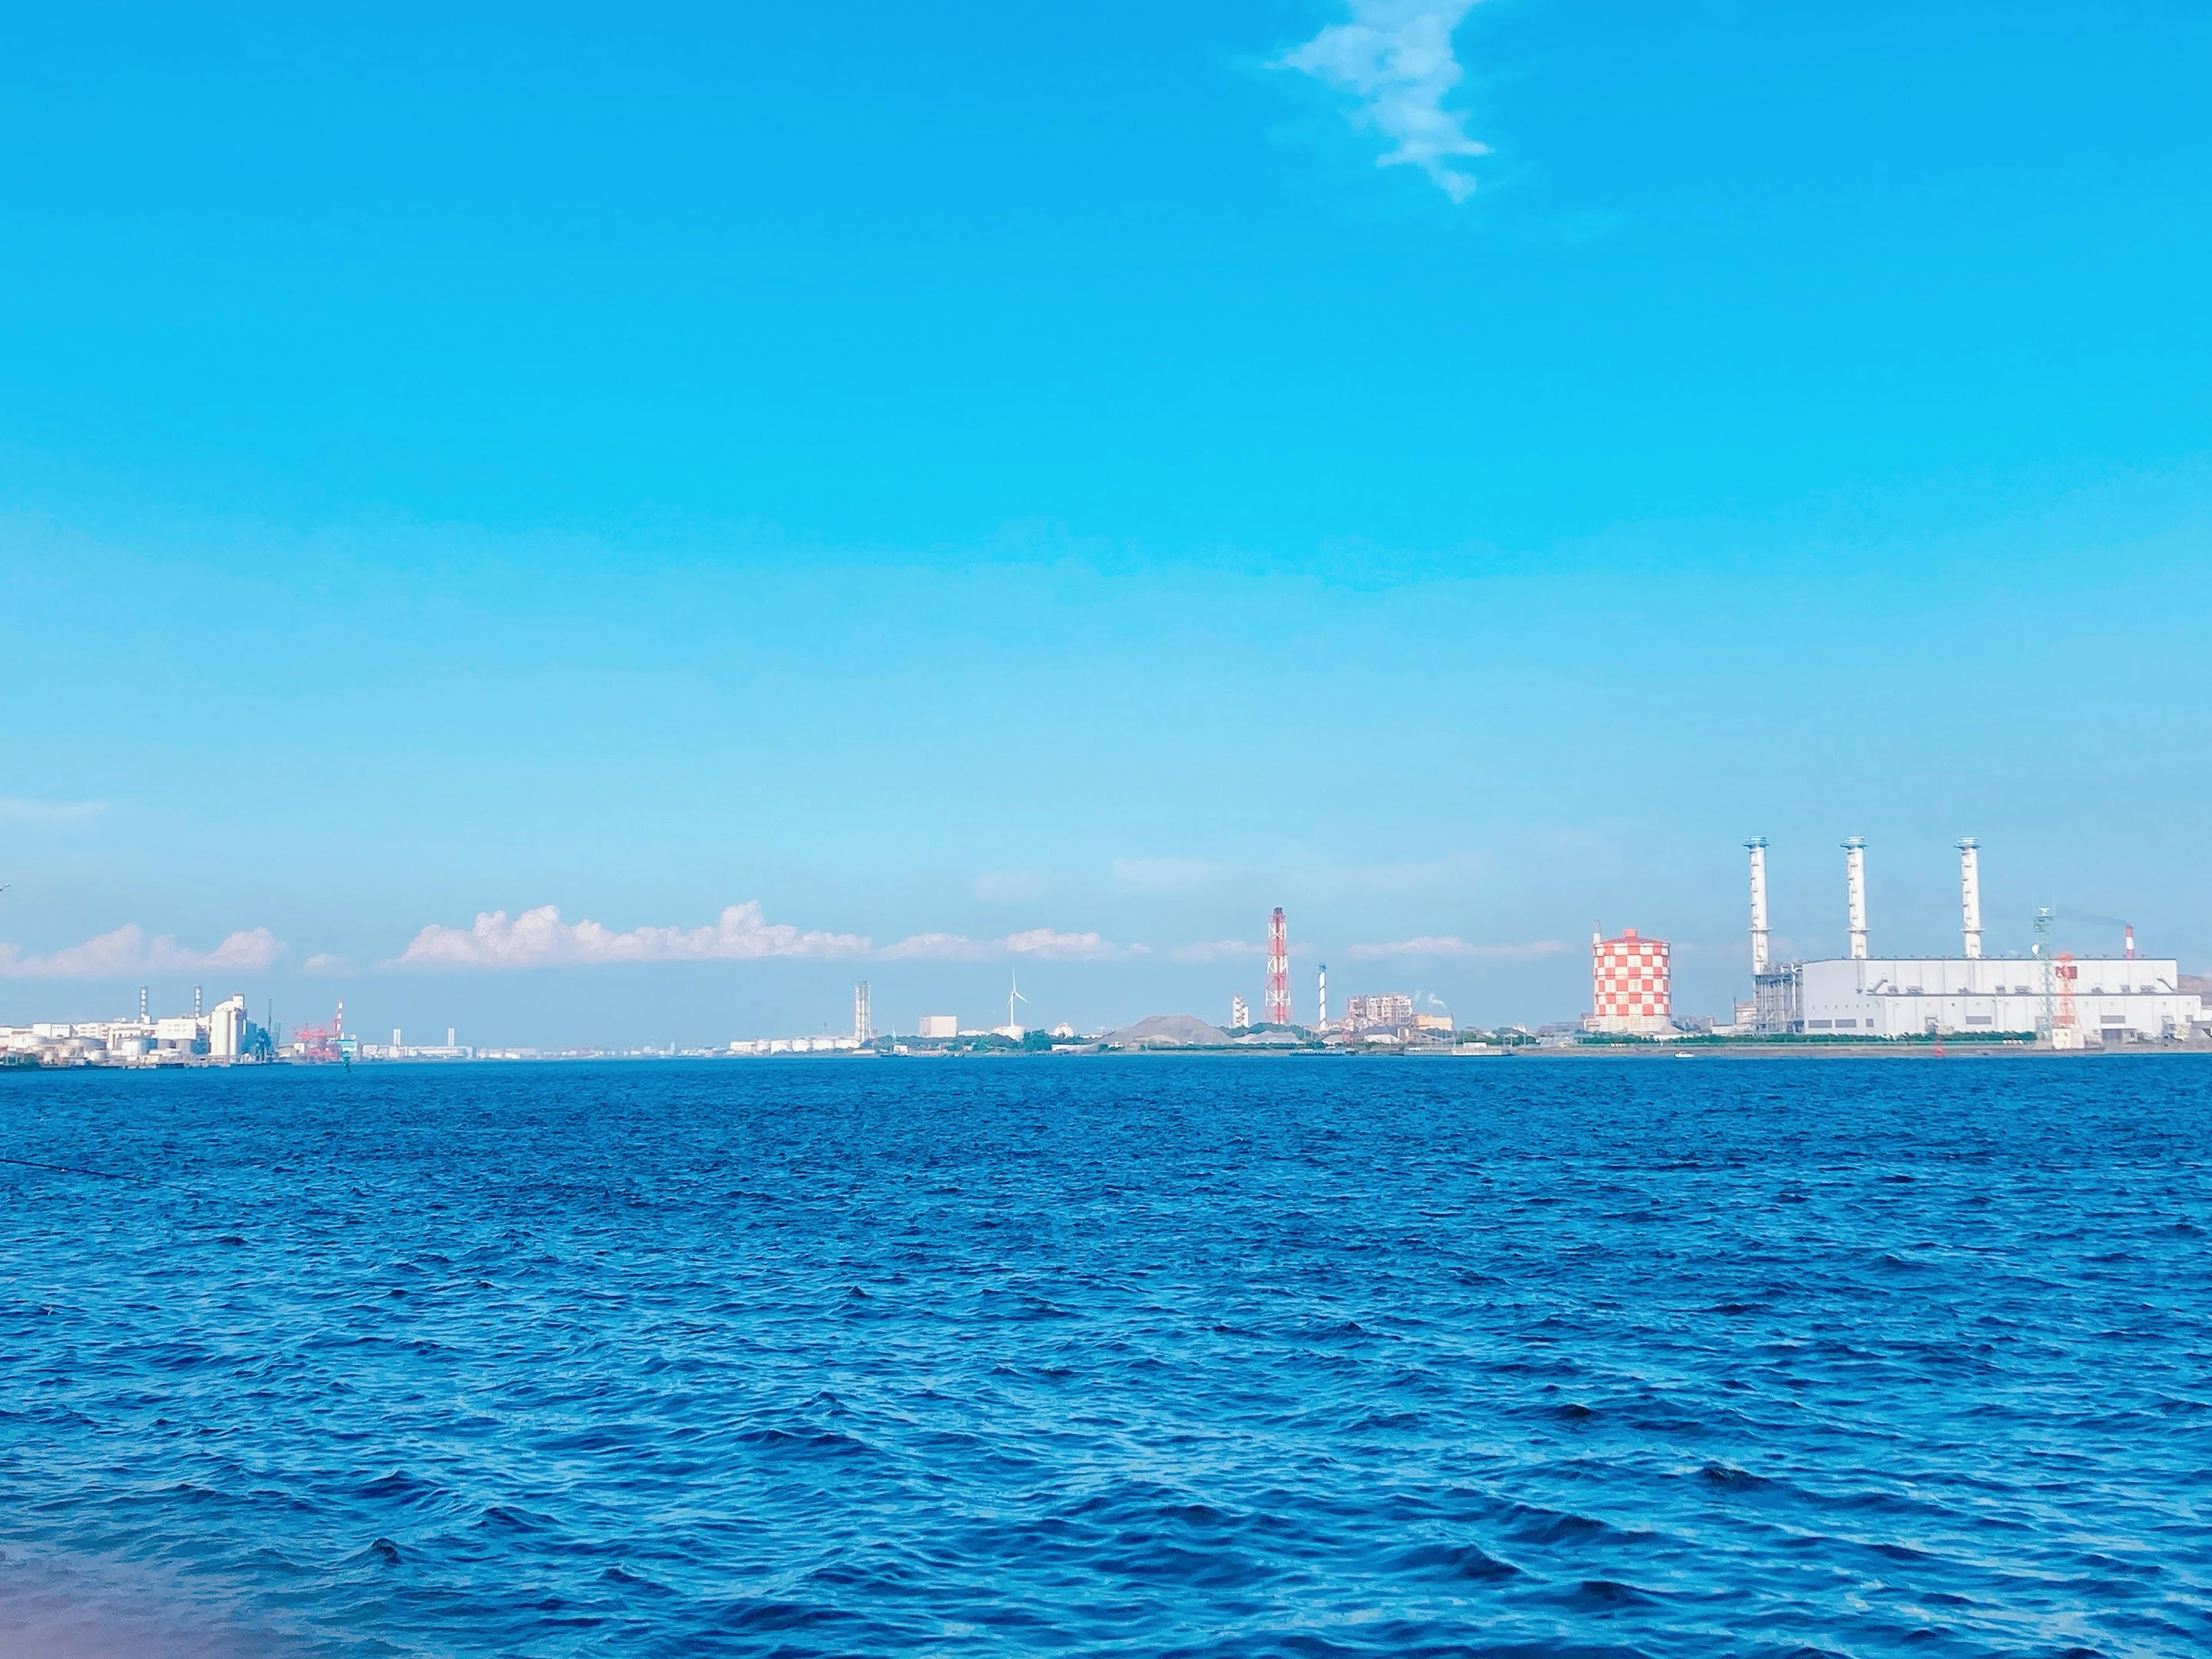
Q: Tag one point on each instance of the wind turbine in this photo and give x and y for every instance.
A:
(1013, 995)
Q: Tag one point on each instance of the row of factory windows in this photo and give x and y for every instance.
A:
(1972, 1019)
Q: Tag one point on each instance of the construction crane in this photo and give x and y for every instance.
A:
(322, 1042)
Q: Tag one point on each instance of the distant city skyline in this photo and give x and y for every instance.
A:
(1453, 471)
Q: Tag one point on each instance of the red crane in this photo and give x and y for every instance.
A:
(321, 1042)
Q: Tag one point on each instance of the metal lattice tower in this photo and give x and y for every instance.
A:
(1279, 970)
(862, 1027)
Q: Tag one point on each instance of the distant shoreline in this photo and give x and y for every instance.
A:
(1578, 1053)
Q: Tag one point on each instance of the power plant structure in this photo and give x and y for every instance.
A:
(1321, 1000)
(1756, 848)
(1630, 987)
(2071, 1002)
(1279, 970)
(863, 1027)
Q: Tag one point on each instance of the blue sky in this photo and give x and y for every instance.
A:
(1002, 474)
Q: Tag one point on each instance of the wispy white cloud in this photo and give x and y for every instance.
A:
(1039, 944)
(128, 951)
(1396, 57)
(996, 886)
(323, 962)
(1216, 949)
(936, 947)
(1449, 944)
(14, 808)
(539, 939)
(1068, 947)
(1166, 875)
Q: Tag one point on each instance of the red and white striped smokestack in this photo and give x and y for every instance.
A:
(1279, 970)
(2131, 944)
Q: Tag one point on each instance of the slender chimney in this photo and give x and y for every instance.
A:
(1278, 969)
(1855, 887)
(1970, 894)
(2131, 942)
(1321, 1023)
(1756, 848)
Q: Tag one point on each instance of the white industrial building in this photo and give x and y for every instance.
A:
(2127, 999)
(1391, 1010)
(222, 1033)
(2067, 1000)
(813, 1045)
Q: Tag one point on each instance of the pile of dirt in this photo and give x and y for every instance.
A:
(1169, 1031)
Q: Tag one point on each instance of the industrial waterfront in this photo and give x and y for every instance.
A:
(2054, 1001)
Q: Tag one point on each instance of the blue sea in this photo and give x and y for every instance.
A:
(1223, 1357)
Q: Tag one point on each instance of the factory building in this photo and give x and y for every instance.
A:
(222, 1034)
(1391, 1012)
(1630, 993)
(2072, 1002)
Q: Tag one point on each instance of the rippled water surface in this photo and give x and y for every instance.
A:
(1214, 1357)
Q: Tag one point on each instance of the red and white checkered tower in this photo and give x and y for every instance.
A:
(1279, 970)
(1629, 986)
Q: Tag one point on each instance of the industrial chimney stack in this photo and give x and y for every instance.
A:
(1855, 885)
(1321, 1024)
(1278, 969)
(1756, 848)
(1970, 894)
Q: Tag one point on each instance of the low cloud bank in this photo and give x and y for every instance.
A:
(1449, 944)
(127, 952)
(539, 939)
(1037, 943)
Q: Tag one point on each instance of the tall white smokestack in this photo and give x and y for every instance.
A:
(1756, 848)
(1854, 884)
(1321, 1022)
(1970, 894)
